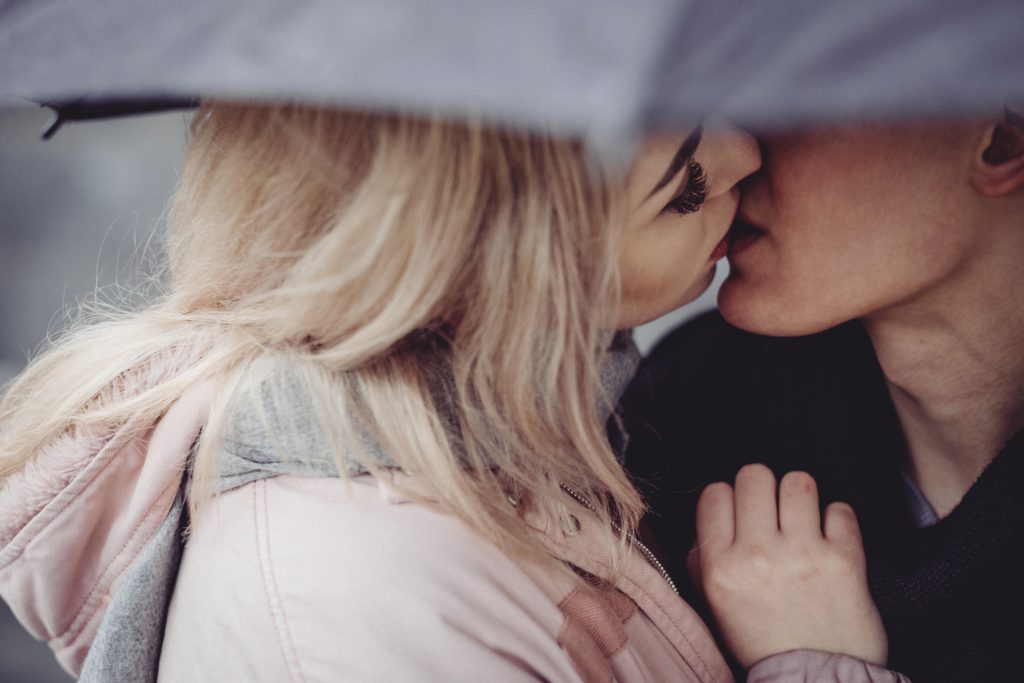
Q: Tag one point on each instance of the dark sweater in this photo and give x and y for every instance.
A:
(712, 398)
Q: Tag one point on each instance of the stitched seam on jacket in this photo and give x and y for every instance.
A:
(104, 455)
(45, 517)
(682, 633)
(146, 521)
(276, 606)
(706, 673)
(622, 647)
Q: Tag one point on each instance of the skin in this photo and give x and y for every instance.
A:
(765, 557)
(666, 256)
(780, 564)
(910, 229)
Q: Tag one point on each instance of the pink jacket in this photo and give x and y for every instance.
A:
(316, 579)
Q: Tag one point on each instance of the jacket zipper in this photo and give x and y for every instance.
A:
(633, 540)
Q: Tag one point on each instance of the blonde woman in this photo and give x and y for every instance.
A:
(374, 394)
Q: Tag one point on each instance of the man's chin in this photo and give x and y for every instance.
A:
(761, 309)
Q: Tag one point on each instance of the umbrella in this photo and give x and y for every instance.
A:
(602, 68)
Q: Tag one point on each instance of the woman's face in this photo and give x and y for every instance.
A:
(682, 196)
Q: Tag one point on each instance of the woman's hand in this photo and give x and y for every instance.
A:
(776, 579)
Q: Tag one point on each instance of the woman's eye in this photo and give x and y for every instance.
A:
(693, 195)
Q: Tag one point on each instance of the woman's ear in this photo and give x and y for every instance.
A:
(999, 166)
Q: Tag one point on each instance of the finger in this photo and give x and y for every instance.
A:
(841, 524)
(798, 506)
(756, 507)
(696, 570)
(716, 523)
(693, 565)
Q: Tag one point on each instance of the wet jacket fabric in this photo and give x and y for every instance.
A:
(711, 398)
(296, 573)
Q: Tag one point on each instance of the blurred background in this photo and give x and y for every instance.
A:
(77, 214)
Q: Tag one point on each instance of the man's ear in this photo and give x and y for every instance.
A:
(999, 167)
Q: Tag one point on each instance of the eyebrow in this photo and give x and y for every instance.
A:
(681, 158)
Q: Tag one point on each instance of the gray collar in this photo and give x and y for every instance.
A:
(259, 439)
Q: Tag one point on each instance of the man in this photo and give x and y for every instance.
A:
(876, 280)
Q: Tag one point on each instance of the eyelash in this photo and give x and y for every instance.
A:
(694, 194)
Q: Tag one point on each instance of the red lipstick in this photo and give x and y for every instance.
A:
(721, 249)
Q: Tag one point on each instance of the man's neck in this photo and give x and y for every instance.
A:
(955, 372)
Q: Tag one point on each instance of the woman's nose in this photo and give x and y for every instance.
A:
(734, 153)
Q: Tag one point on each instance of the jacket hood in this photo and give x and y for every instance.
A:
(74, 520)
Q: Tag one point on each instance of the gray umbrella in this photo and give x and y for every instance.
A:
(604, 68)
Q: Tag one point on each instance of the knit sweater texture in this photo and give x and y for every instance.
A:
(712, 398)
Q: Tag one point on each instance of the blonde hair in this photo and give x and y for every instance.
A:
(336, 241)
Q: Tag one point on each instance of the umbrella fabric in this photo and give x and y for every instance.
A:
(795, 62)
(603, 68)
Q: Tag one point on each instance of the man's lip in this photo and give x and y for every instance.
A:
(743, 234)
(745, 223)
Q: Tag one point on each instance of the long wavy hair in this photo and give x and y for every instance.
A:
(336, 241)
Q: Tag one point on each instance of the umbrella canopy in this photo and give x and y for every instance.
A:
(596, 67)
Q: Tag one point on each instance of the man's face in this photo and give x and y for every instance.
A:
(856, 221)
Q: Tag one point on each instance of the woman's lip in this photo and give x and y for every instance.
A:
(721, 249)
